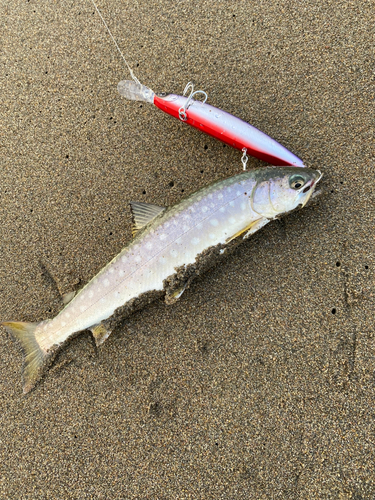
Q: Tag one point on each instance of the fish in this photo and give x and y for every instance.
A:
(214, 122)
(169, 248)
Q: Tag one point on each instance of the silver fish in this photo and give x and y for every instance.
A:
(170, 246)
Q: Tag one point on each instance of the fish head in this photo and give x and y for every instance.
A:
(283, 189)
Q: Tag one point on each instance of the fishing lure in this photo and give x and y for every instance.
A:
(169, 248)
(213, 121)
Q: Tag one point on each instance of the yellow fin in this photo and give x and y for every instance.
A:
(36, 359)
(244, 230)
(143, 213)
(174, 296)
(101, 333)
(256, 226)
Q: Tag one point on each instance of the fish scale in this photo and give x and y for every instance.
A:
(166, 240)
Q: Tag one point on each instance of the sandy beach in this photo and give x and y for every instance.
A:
(260, 382)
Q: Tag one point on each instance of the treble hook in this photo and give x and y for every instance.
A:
(182, 111)
(244, 158)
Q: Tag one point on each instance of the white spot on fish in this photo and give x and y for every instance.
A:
(67, 315)
(195, 241)
(222, 251)
(199, 226)
(163, 236)
(231, 203)
(211, 236)
(243, 206)
(185, 228)
(232, 220)
(138, 258)
(220, 196)
(186, 216)
(210, 196)
(238, 193)
(106, 282)
(204, 209)
(149, 245)
(124, 258)
(91, 294)
(214, 222)
(222, 209)
(121, 273)
(111, 270)
(82, 308)
(162, 260)
(63, 323)
(173, 252)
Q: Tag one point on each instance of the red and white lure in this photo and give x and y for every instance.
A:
(213, 121)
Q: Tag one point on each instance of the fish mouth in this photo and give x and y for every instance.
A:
(310, 187)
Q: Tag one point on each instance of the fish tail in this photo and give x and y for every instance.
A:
(135, 92)
(36, 358)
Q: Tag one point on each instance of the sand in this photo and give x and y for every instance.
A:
(260, 382)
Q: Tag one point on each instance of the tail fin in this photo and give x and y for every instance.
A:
(36, 359)
(134, 92)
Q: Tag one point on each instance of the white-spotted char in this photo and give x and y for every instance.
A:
(164, 240)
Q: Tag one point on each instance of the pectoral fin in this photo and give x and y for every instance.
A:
(143, 213)
(100, 333)
(249, 229)
(258, 225)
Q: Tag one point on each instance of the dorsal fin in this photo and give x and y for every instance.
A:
(143, 213)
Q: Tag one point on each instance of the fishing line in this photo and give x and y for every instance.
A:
(206, 118)
(118, 48)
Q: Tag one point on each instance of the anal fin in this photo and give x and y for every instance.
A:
(100, 333)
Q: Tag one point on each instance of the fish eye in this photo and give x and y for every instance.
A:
(296, 182)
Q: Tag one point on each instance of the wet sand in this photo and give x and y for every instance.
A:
(260, 382)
